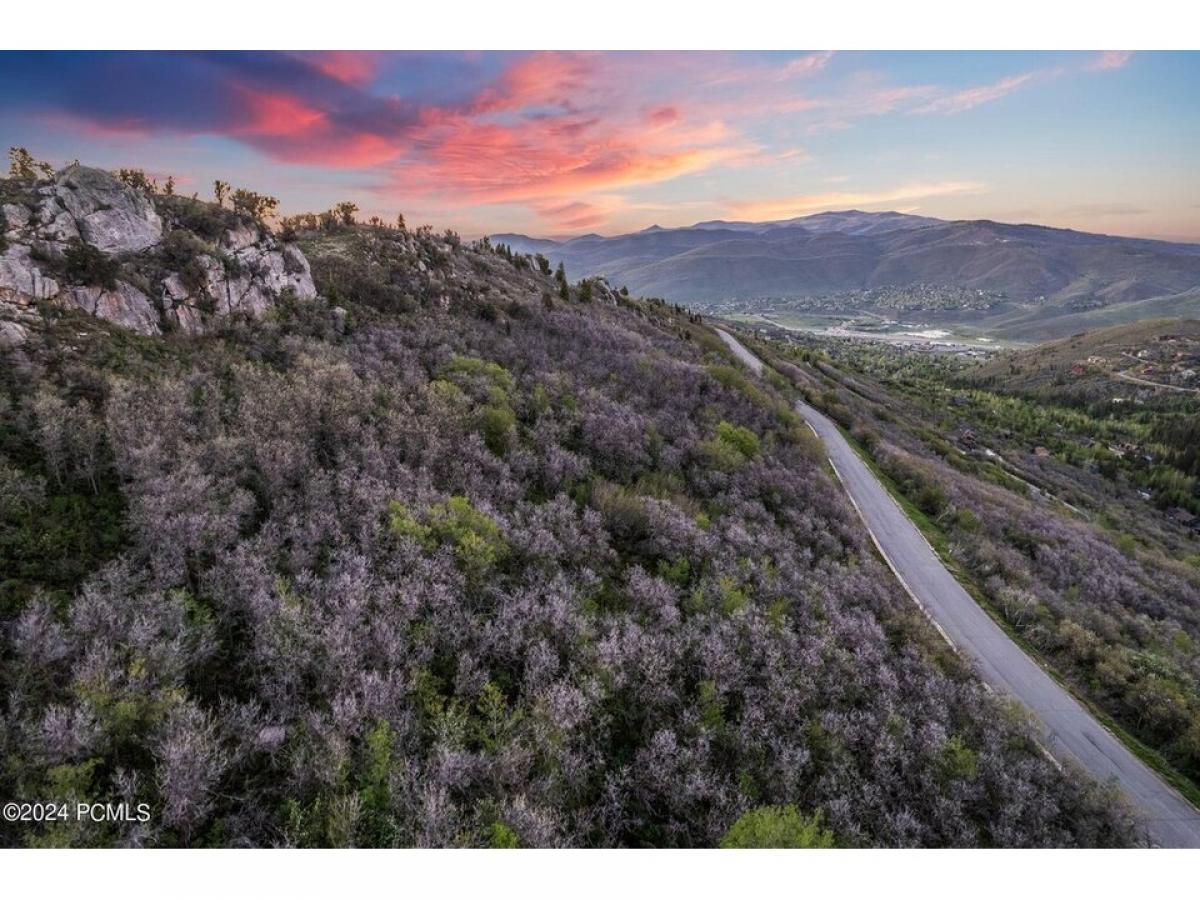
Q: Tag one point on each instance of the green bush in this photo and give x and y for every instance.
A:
(497, 424)
(958, 761)
(476, 538)
(777, 827)
(732, 446)
(503, 837)
(85, 264)
(931, 499)
(466, 371)
(742, 439)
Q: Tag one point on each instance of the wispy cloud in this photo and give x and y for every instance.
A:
(804, 65)
(787, 207)
(1084, 210)
(565, 140)
(969, 98)
(1111, 59)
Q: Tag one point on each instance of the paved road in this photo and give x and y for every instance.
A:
(1070, 731)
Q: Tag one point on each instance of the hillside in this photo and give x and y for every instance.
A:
(448, 553)
(1155, 357)
(1045, 281)
(1069, 502)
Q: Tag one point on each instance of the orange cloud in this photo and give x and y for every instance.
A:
(490, 162)
(789, 207)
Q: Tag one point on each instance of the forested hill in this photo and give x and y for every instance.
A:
(453, 553)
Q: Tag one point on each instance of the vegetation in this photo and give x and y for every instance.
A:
(23, 165)
(777, 827)
(1069, 513)
(433, 562)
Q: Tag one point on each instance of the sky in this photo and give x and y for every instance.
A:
(563, 143)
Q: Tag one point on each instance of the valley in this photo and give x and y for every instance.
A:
(1018, 282)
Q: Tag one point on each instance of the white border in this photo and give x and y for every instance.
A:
(611, 24)
(603, 875)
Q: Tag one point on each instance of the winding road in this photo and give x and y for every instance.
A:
(1070, 730)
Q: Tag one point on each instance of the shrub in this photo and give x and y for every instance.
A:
(181, 252)
(503, 837)
(930, 498)
(496, 423)
(475, 537)
(958, 761)
(777, 827)
(253, 204)
(86, 265)
(732, 446)
(742, 439)
(468, 370)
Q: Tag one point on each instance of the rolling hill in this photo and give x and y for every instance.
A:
(1047, 281)
(1155, 356)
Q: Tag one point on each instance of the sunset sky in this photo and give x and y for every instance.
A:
(566, 143)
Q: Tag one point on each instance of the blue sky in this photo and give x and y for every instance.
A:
(565, 142)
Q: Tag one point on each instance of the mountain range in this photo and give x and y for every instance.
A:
(1037, 276)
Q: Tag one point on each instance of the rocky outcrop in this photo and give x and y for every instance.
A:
(243, 273)
(21, 281)
(104, 211)
(246, 276)
(124, 305)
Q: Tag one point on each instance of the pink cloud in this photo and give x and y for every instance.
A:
(547, 79)
(577, 215)
(353, 67)
(805, 65)
(277, 115)
(1111, 59)
(663, 115)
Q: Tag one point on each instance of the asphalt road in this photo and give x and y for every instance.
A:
(1070, 730)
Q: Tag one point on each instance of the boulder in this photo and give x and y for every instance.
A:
(188, 319)
(245, 235)
(125, 306)
(57, 224)
(21, 281)
(296, 265)
(12, 334)
(110, 215)
(16, 216)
